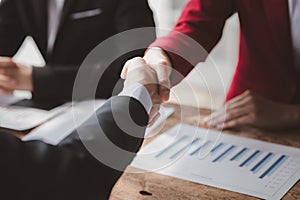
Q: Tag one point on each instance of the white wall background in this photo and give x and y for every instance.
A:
(204, 80)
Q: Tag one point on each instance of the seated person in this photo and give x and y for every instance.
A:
(72, 170)
(265, 91)
(65, 31)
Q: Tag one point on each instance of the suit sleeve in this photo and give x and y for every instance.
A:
(56, 83)
(197, 31)
(69, 170)
(12, 33)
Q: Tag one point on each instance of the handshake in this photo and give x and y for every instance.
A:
(153, 72)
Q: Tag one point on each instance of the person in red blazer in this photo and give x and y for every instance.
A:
(264, 89)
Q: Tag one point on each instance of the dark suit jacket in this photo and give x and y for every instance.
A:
(35, 170)
(265, 62)
(75, 39)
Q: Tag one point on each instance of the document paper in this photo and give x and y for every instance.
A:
(60, 127)
(234, 163)
(6, 100)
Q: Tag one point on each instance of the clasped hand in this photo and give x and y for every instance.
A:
(153, 73)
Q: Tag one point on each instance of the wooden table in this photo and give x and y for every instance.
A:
(132, 186)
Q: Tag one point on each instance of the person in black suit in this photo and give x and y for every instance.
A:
(35, 170)
(65, 32)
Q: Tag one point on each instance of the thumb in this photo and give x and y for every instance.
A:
(132, 64)
(124, 71)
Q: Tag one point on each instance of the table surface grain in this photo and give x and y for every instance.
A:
(146, 185)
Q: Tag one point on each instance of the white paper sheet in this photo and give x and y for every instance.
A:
(238, 164)
(57, 129)
(6, 100)
(22, 118)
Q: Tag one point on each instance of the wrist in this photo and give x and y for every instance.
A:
(291, 115)
(29, 78)
(27, 73)
(140, 93)
(157, 56)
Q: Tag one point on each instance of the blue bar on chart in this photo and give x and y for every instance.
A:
(217, 148)
(225, 154)
(240, 154)
(197, 151)
(262, 163)
(274, 167)
(249, 160)
(171, 146)
(175, 155)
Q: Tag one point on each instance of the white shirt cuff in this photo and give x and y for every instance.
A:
(140, 93)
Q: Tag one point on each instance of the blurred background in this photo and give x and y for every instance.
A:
(209, 81)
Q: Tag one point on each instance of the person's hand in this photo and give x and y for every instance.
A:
(136, 71)
(156, 64)
(158, 60)
(14, 76)
(250, 109)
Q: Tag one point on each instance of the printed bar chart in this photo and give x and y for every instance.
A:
(224, 154)
(261, 163)
(243, 165)
(171, 146)
(239, 155)
(217, 148)
(175, 155)
(249, 160)
(274, 167)
(202, 147)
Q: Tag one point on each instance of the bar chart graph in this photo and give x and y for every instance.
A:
(243, 165)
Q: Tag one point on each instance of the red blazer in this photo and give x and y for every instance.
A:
(265, 57)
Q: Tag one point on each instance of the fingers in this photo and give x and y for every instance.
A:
(131, 65)
(7, 71)
(137, 63)
(138, 71)
(151, 122)
(244, 120)
(6, 62)
(5, 59)
(154, 115)
(153, 92)
(229, 117)
(7, 66)
(163, 73)
(5, 91)
(160, 62)
(238, 100)
(124, 71)
(224, 116)
(233, 110)
(7, 83)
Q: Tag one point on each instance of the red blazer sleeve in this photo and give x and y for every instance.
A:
(197, 31)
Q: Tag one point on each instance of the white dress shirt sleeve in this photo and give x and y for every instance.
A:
(140, 93)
